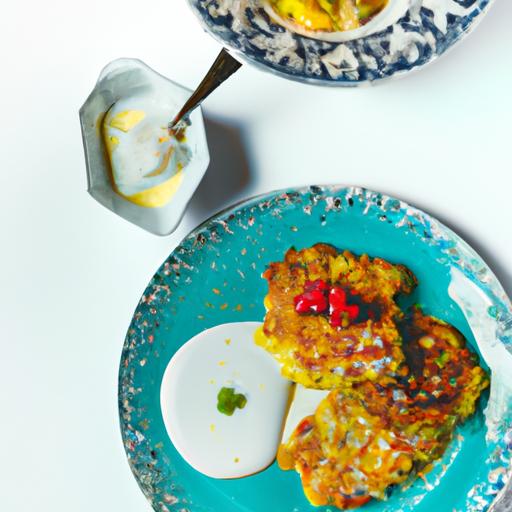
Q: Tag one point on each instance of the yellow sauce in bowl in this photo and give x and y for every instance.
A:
(146, 163)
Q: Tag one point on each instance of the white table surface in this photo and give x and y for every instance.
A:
(71, 273)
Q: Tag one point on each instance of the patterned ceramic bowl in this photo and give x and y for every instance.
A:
(214, 277)
(405, 36)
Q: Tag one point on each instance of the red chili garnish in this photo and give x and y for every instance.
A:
(311, 302)
(336, 318)
(319, 297)
(338, 305)
(353, 311)
(337, 298)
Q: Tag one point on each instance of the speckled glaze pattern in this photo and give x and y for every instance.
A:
(214, 277)
(425, 31)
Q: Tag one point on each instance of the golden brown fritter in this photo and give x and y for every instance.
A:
(426, 429)
(334, 348)
(400, 383)
(362, 440)
(346, 455)
(443, 370)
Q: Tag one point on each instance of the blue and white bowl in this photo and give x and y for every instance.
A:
(405, 36)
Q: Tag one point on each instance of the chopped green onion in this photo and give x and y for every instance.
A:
(228, 401)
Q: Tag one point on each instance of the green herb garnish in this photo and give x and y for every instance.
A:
(442, 359)
(228, 401)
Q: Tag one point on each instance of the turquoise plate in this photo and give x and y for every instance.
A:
(229, 253)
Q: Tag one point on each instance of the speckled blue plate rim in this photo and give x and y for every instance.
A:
(153, 472)
(422, 35)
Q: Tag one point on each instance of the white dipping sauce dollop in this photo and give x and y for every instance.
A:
(213, 443)
(304, 403)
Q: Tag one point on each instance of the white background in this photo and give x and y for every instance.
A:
(71, 273)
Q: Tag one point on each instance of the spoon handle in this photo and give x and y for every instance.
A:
(223, 67)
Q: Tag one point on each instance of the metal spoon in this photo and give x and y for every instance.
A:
(223, 67)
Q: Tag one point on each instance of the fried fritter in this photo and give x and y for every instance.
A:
(362, 440)
(346, 455)
(443, 372)
(400, 383)
(337, 348)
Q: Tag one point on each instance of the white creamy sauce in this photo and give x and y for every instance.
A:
(213, 443)
(304, 403)
(142, 154)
